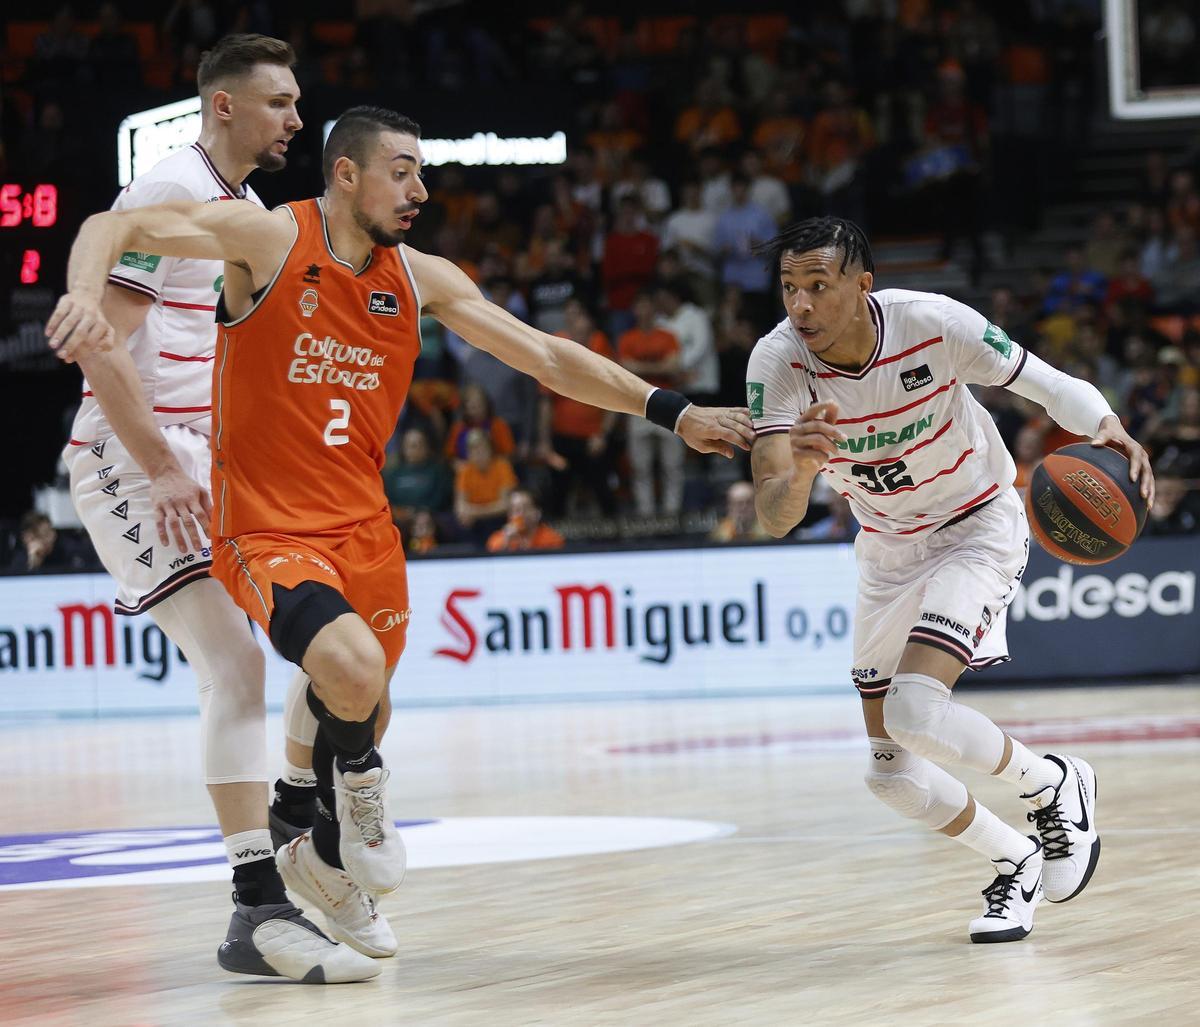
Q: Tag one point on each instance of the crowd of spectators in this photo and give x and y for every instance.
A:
(695, 137)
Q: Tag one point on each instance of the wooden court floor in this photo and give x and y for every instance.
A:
(822, 907)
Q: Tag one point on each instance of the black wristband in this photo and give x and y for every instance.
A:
(665, 407)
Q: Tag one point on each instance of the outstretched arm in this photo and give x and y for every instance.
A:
(559, 364)
(1079, 407)
(238, 232)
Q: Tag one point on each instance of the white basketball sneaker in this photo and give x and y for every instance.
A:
(371, 848)
(349, 911)
(1065, 817)
(276, 941)
(1010, 899)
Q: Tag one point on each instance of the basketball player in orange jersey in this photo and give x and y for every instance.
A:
(139, 453)
(315, 352)
(869, 390)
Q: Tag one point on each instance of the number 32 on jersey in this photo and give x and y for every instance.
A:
(877, 480)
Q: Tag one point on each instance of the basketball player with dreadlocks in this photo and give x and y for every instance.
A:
(869, 390)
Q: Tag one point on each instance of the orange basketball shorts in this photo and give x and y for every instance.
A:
(365, 564)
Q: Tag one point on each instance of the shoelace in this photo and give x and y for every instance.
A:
(1049, 824)
(999, 894)
(367, 812)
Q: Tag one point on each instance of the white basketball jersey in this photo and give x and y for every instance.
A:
(173, 349)
(919, 449)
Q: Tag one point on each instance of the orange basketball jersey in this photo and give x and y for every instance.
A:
(308, 386)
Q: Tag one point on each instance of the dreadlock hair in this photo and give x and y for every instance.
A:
(816, 233)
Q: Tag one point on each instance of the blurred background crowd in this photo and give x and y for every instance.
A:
(968, 138)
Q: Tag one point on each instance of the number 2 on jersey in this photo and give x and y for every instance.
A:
(884, 478)
(338, 423)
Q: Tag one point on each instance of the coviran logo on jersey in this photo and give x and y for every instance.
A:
(877, 440)
(329, 361)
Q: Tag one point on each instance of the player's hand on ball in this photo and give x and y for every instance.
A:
(78, 327)
(814, 438)
(1112, 433)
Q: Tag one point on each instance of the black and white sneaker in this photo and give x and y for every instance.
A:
(1010, 899)
(277, 941)
(1065, 817)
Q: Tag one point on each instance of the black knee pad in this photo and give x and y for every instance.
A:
(300, 613)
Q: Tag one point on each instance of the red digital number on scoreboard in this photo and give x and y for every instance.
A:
(39, 207)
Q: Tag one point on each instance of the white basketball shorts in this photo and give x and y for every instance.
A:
(950, 590)
(112, 497)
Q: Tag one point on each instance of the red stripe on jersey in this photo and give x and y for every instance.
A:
(909, 352)
(76, 442)
(181, 410)
(888, 459)
(178, 356)
(979, 498)
(187, 306)
(899, 410)
(87, 394)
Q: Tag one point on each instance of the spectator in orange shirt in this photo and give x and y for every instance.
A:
(524, 528)
(709, 122)
(482, 487)
(476, 412)
(574, 435)
(653, 353)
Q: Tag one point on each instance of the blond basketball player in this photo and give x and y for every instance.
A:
(869, 390)
(139, 464)
(318, 335)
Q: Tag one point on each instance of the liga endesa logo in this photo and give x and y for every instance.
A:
(587, 618)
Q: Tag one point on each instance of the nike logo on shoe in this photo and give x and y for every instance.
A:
(1028, 895)
(1082, 805)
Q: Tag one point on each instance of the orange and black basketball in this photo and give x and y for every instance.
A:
(1082, 506)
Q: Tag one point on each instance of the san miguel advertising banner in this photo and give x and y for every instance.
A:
(738, 620)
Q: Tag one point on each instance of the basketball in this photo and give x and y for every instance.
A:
(1082, 506)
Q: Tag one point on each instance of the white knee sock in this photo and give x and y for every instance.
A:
(990, 836)
(1031, 772)
(912, 786)
(920, 714)
(230, 669)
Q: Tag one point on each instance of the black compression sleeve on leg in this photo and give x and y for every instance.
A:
(325, 832)
(300, 613)
(352, 741)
